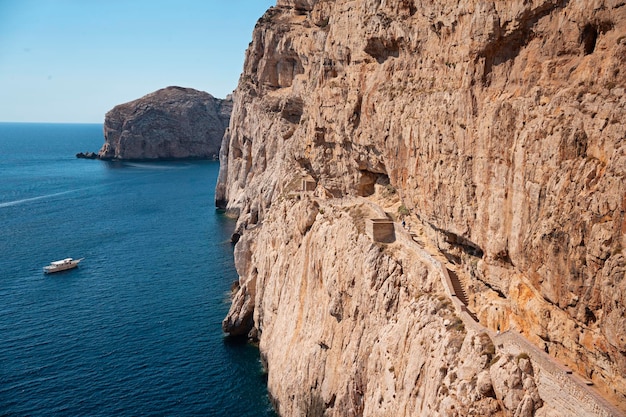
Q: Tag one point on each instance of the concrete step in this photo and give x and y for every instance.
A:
(458, 288)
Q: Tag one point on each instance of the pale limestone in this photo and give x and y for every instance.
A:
(499, 126)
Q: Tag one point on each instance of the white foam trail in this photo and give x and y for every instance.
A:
(155, 167)
(28, 200)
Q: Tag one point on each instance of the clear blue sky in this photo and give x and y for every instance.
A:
(73, 60)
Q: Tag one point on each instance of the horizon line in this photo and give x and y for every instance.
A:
(50, 123)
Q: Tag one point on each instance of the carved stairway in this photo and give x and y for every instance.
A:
(460, 292)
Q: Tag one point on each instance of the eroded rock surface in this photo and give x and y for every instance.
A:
(499, 128)
(171, 123)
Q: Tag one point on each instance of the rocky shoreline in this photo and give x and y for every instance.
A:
(94, 155)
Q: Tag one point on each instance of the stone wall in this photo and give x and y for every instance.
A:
(380, 230)
(557, 385)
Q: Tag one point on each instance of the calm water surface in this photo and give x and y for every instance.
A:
(135, 330)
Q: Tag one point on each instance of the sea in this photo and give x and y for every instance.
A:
(135, 330)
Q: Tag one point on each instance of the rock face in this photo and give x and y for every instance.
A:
(171, 123)
(499, 128)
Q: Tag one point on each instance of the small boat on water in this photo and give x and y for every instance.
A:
(62, 265)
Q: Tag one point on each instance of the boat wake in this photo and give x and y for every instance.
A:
(41, 197)
(155, 167)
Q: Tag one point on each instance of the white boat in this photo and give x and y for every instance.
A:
(62, 265)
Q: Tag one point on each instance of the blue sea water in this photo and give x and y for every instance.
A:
(135, 330)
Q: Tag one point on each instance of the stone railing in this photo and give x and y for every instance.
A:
(554, 381)
(557, 382)
(468, 318)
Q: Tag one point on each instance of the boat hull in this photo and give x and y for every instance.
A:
(60, 266)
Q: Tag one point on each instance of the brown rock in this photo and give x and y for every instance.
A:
(483, 384)
(171, 123)
(499, 126)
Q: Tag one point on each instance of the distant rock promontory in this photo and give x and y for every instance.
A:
(171, 123)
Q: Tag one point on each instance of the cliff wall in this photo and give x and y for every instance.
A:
(497, 129)
(171, 123)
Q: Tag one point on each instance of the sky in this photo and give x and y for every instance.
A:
(71, 61)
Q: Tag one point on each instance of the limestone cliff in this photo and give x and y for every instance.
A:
(497, 130)
(171, 123)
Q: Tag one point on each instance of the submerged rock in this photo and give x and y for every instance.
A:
(171, 123)
(87, 155)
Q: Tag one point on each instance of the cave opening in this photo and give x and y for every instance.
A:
(588, 38)
(368, 180)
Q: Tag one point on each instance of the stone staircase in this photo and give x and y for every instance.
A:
(460, 293)
(417, 240)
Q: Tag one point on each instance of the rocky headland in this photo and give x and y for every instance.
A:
(171, 123)
(496, 131)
